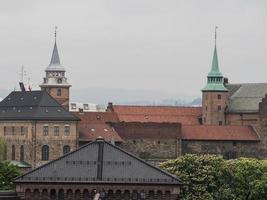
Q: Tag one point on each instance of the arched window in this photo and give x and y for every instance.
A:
(13, 152)
(21, 153)
(66, 149)
(45, 152)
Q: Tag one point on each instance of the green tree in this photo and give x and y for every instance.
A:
(201, 175)
(8, 173)
(249, 178)
(3, 150)
(211, 177)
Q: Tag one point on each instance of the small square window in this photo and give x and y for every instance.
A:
(220, 123)
(86, 106)
(73, 106)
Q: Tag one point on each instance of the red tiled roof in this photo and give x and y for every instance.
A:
(94, 124)
(158, 114)
(96, 117)
(223, 133)
(91, 132)
(148, 130)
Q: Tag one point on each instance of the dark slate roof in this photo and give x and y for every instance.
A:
(245, 98)
(99, 162)
(33, 105)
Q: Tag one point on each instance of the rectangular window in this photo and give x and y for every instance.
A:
(13, 130)
(219, 108)
(219, 96)
(59, 92)
(45, 130)
(86, 106)
(206, 108)
(56, 130)
(67, 130)
(5, 130)
(73, 106)
(22, 130)
(220, 123)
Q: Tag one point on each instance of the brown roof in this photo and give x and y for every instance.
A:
(148, 130)
(95, 124)
(158, 114)
(223, 133)
(96, 117)
(91, 132)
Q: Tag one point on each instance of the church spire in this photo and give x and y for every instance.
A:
(55, 61)
(215, 77)
(215, 71)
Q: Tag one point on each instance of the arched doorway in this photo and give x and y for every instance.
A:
(77, 195)
(110, 195)
(135, 195)
(53, 194)
(86, 194)
(159, 195)
(69, 194)
(151, 195)
(28, 195)
(61, 195)
(126, 195)
(118, 195)
(36, 194)
(45, 195)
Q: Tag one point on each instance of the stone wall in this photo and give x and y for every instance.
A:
(152, 149)
(34, 139)
(228, 149)
(150, 140)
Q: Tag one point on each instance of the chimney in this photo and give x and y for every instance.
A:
(110, 107)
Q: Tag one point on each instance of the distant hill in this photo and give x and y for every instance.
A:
(126, 97)
(134, 97)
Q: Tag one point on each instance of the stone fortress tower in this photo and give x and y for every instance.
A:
(214, 95)
(55, 82)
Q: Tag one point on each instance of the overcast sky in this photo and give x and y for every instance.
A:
(162, 45)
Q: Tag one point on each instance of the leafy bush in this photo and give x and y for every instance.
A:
(210, 177)
(8, 173)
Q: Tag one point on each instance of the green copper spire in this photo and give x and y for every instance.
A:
(215, 71)
(215, 77)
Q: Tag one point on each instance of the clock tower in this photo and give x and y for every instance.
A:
(55, 82)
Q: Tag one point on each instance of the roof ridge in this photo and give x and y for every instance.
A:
(144, 162)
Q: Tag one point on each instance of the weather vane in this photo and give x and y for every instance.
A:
(55, 32)
(216, 27)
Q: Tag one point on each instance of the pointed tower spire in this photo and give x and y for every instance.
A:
(55, 61)
(215, 71)
(215, 77)
(55, 57)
